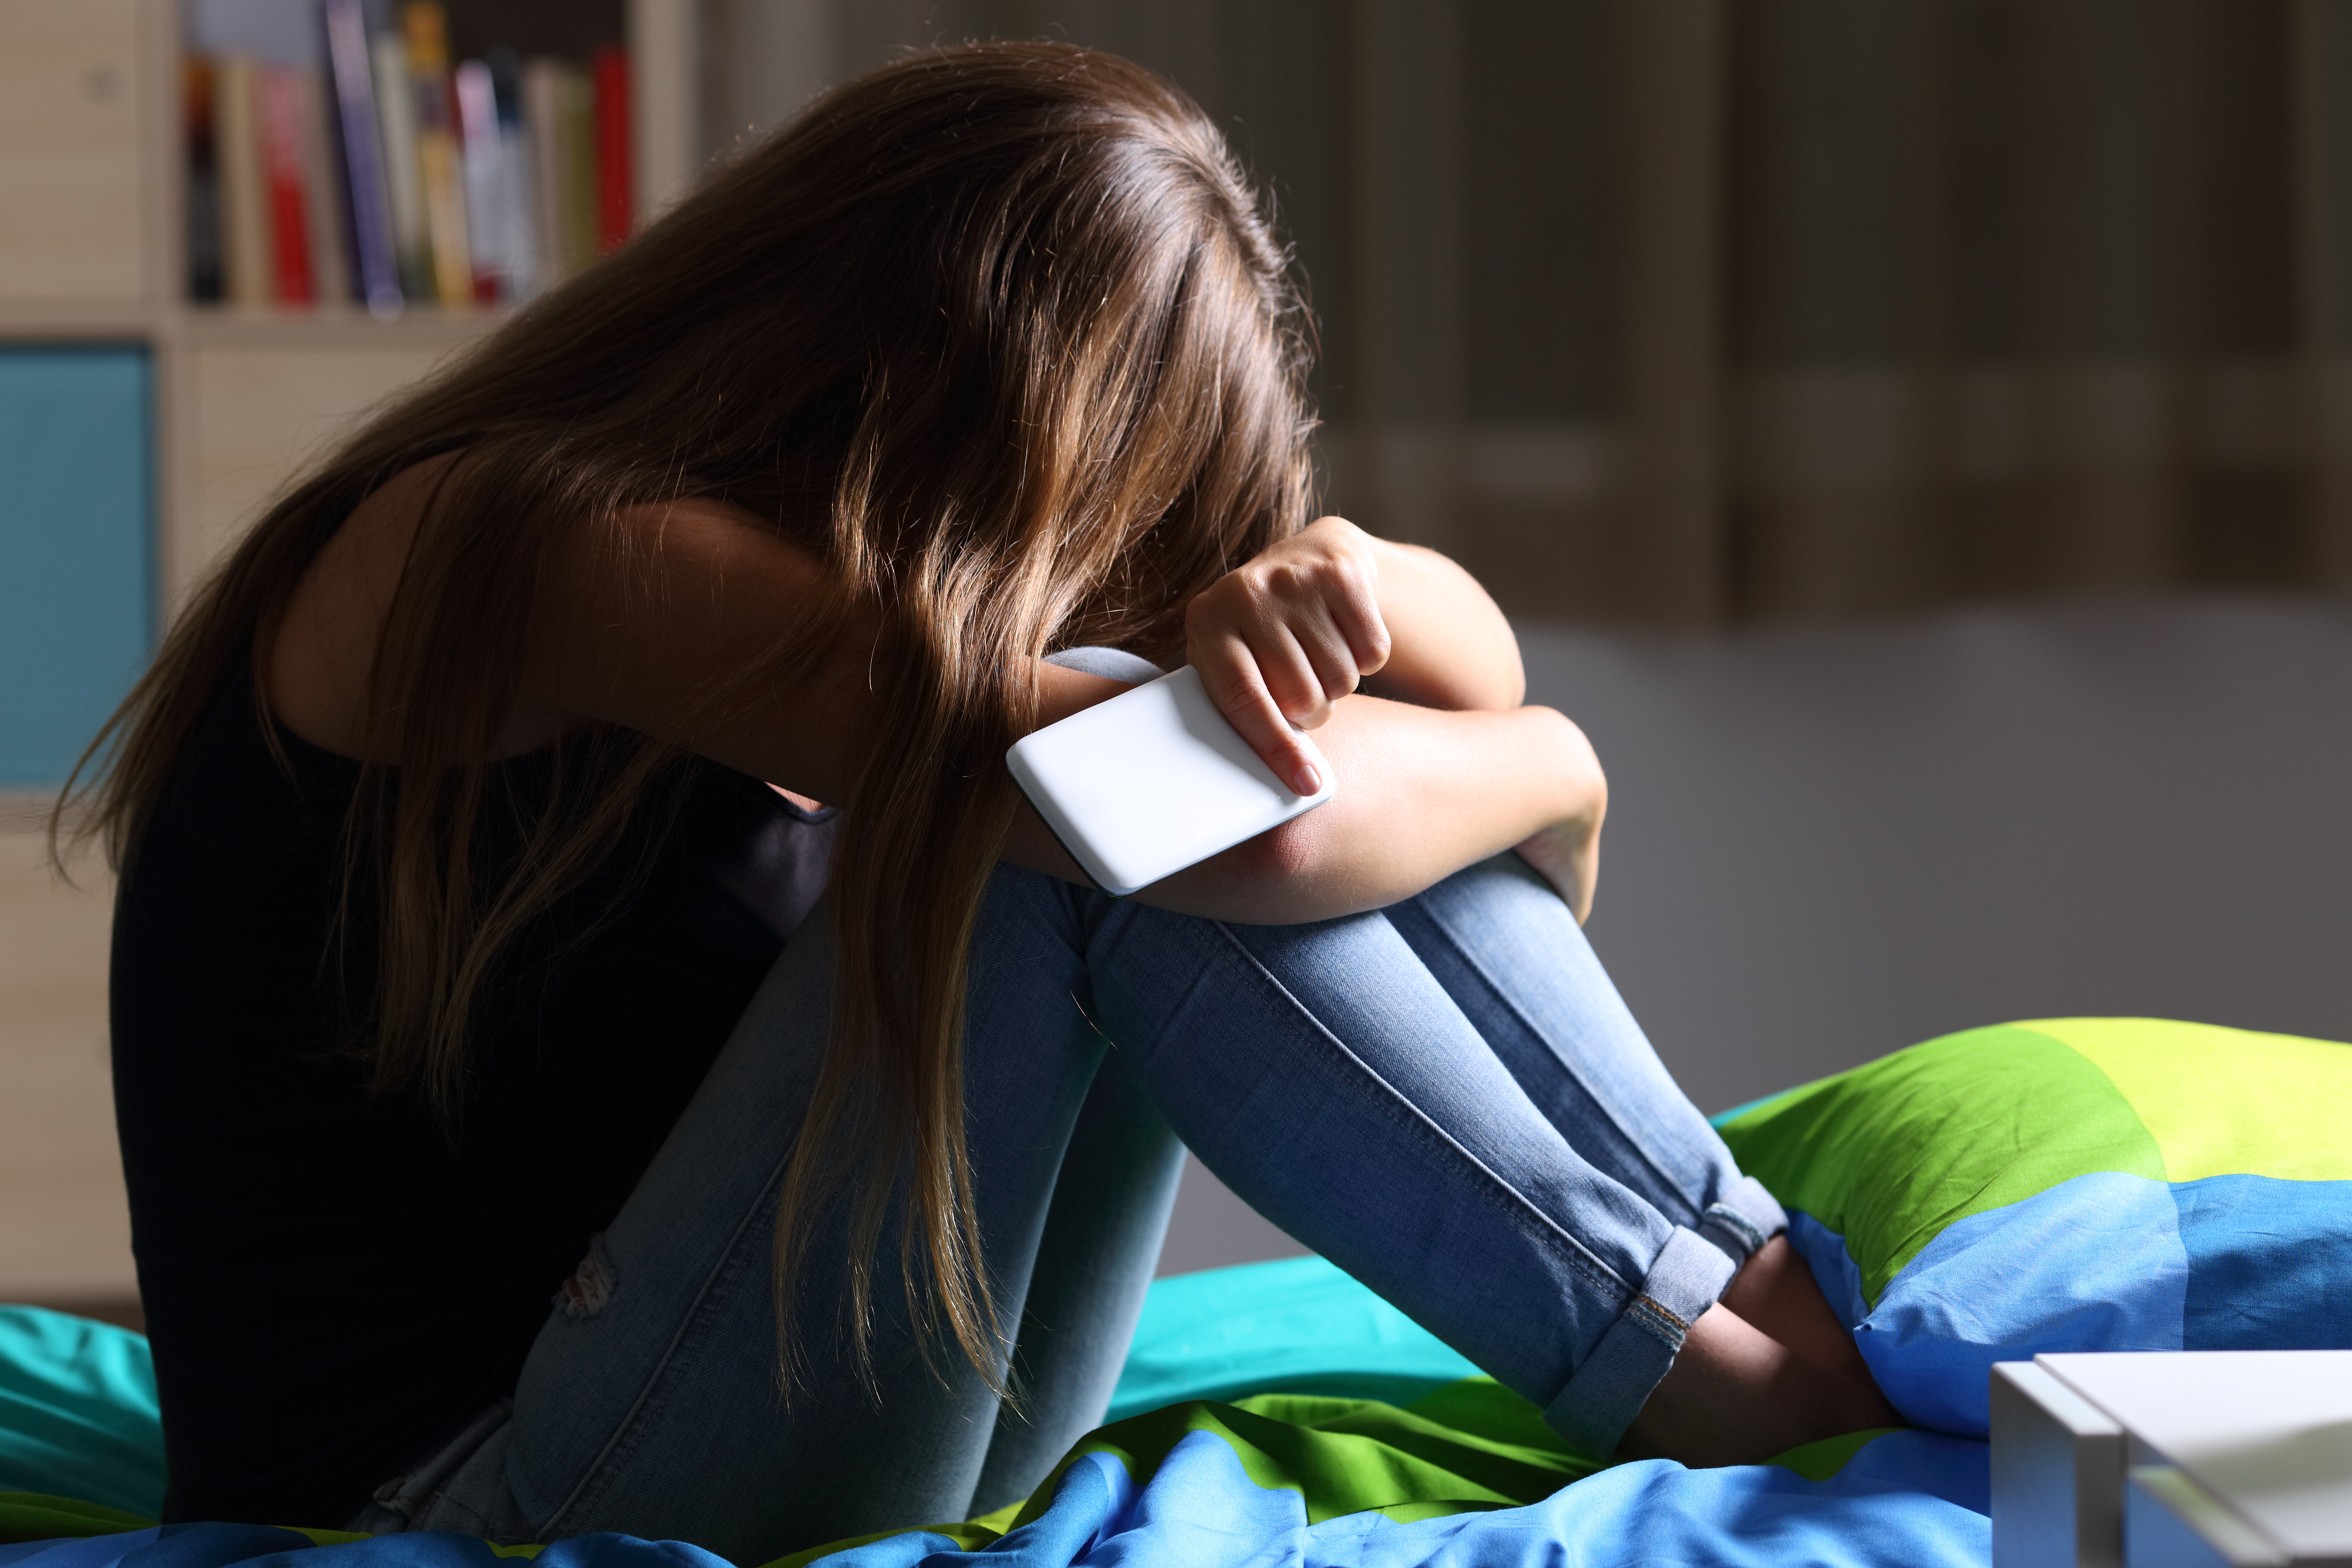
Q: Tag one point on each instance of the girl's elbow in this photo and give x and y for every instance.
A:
(1279, 878)
(1273, 875)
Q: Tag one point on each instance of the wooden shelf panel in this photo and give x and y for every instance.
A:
(72, 207)
(49, 321)
(330, 330)
(64, 1226)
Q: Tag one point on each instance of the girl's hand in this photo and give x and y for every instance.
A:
(1281, 638)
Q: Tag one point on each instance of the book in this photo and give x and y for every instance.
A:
(614, 206)
(558, 107)
(395, 110)
(542, 114)
(486, 178)
(576, 130)
(377, 280)
(246, 261)
(281, 112)
(331, 261)
(334, 152)
(437, 159)
(515, 157)
(204, 215)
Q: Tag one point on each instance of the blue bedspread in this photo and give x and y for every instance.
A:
(1908, 1500)
(1223, 1486)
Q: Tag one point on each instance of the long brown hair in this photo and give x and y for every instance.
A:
(998, 332)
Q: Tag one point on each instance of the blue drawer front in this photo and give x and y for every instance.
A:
(77, 586)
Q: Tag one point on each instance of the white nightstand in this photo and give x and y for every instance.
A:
(2151, 1459)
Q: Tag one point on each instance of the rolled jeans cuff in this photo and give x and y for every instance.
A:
(1615, 1381)
(1743, 1219)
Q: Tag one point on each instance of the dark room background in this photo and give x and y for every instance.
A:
(1694, 311)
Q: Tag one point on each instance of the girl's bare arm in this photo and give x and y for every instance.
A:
(1424, 792)
(1438, 763)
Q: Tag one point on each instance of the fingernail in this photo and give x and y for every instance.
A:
(1306, 780)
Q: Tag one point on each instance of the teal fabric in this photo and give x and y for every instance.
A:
(78, 1417)
(1297, 1325)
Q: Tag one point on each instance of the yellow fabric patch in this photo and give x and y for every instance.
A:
(2225, 1103)
(336, 1537)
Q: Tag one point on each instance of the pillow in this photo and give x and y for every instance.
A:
(2068, 1185)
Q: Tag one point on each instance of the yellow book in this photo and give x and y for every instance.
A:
(427, 35)
(244, 199)
(579, 115)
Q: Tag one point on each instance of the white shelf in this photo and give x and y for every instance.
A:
(51, 320)
(328, 330)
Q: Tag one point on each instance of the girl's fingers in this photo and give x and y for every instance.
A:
(1348, 589)
(1313, 658)
(1232, 678)
(1341, 665)
(1302, 676)
(1279, 641)
(1350, 621)
(1367, 636)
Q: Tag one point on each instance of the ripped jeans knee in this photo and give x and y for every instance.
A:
(591, 1286)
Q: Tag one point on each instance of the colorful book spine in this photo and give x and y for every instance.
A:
(518, 208)
(375, 264)
(395, 109)
(245, 262)
(486, 198)
(542, 113)
(330, 259)
(349, 158)
(615, 207)
(437, 159)
(205, 284)
(577, 114)
(281, 172)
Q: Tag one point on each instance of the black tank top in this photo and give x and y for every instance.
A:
(333, 1285)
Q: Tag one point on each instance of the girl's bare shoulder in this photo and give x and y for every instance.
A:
(315, 662)
(630, 616)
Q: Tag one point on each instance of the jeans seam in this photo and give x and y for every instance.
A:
(1663, 1325)
(1503, 997)
(1506, 1199)
(1751, 1234)
(617, 1444)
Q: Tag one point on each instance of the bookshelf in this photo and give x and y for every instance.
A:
(213, 408)
(92, 250)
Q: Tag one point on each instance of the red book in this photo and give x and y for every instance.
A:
(282, 175)
(614, 204)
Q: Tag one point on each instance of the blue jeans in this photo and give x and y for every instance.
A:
(1447, 1099)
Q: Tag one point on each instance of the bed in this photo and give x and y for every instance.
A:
(2062, 1184)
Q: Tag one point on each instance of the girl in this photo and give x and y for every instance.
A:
(468, 831)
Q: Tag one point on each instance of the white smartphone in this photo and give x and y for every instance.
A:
(1153, 781)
